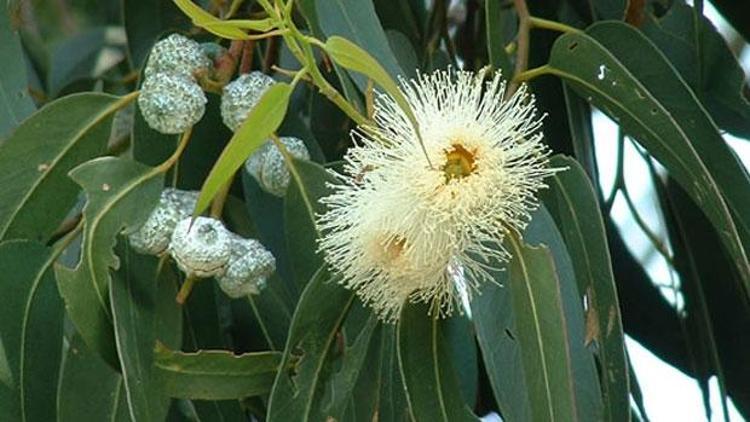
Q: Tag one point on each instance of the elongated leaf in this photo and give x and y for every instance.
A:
(231, 29)
(494, 21)
(31, 326)
(261, 122)
(572, 202)
(698, 51)
(144, 311)
(37, 193)
(75, 58)
(517, 346)
(89, 389)
(215, 374)
(356, 20)
(120, 193)
(15, 102)
(353, 57)
(581, 133)
(297, 390)
(392, 403)
(429, 379)
(339, 393)
(665, 122)
(301, 205)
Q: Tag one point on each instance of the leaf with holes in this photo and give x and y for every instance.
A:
(120, 193)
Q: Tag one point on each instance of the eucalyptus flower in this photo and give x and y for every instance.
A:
(422, 215)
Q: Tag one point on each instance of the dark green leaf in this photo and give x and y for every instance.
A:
(461, 346)
(37, 193)
(698, 51)
(15, 103)
(31, 327)
(75, 58)
(145, 22)
(144, 311)
(494, 21)
(429, 379)
(215, 374)
(392, 403)
(89, 388)
(299, 387)
(664, 115)
(356, 20)
(301, 204)
(581, 132)
(261, 122)
(572, 202)
(120, 194)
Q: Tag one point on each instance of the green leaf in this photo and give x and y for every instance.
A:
(343, 383)
(299, 387)
(75, 58)
(144, 311)
(120, 194)
(461, 346)
(301, 204)
(231, 29)
(31, 327)
(572, 202)
(531, 332)
(261, 122)
(37, 193)
(15, 102)
(429, 379)
(215, 374)
(392, 403)
(357, 21)
(89, 389)
(699, 52)
(581, 132)
(665, 117)
(494, 21)
(145, 22)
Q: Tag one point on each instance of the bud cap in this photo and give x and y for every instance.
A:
(177, 54)
(248, 269)
(268, 167)
(202, 249)
(171, 103)
(154, 235)
(242, 95)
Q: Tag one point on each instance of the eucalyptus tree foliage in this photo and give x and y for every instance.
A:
(360, 210)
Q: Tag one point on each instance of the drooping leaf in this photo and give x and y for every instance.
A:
(143, 309)
(120, 194)
(299, 386)
(15, 102)
(301, 205)
(37, 193)
(664, 116)
(215, 374)
(261, 122)
(702, 57)
(572, 202)
(233, 29)
(31, 328)
(392, 403)
(89, 389)
(429, 379)
(581, 133)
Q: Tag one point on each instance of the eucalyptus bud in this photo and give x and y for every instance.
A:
(268, 167)
(249, 267)
(154, 235)
(171, 102)
(177, 54)
(201, 247)
(242, 95)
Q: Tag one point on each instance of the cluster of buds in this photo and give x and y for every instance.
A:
(268, 167)
(171, 100)
(203, 247)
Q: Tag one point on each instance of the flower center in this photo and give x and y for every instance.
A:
(393, 248)
(459, 163)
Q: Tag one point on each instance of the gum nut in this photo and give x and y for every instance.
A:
(242, 95)
(254, 163)
(177, 54)
(203, 249)
(249, 266)
(171, 103)
(275, 175)
(154, 235)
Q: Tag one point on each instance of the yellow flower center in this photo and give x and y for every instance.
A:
(459, 163)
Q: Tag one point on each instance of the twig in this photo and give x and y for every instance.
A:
(522, 57)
